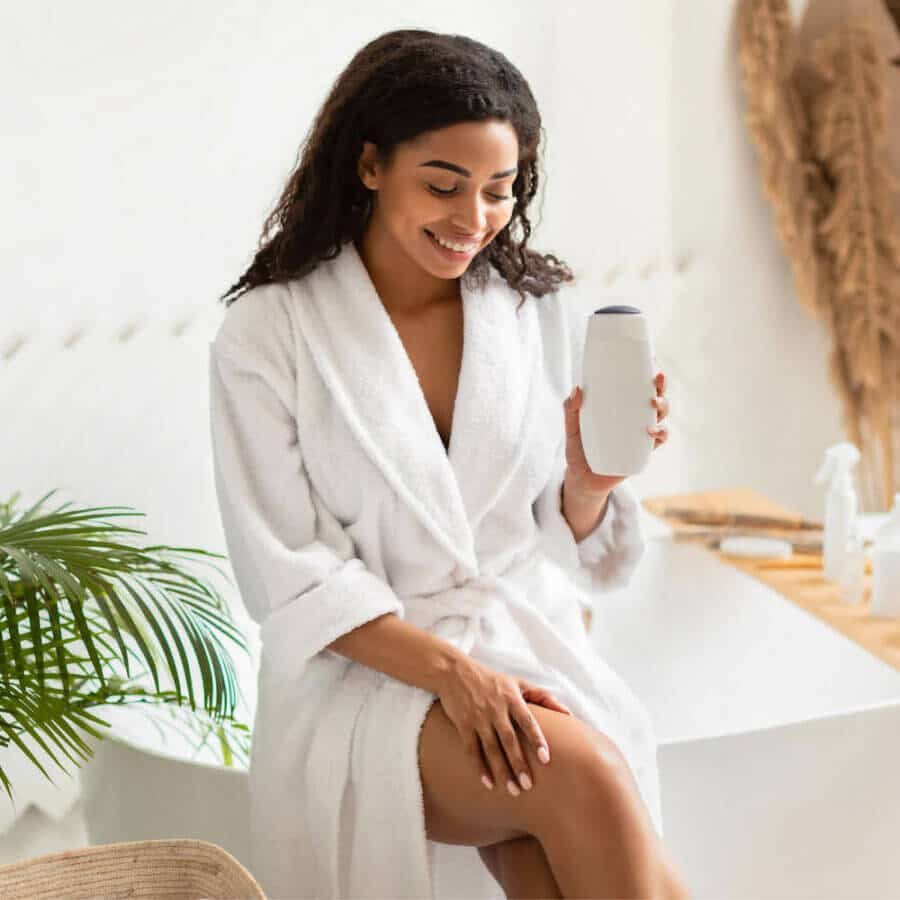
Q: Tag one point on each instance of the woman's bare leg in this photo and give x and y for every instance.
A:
(675, 888)
(532, 877)
(520, 867)
(608, 857)
(616, 855)
(595, 832)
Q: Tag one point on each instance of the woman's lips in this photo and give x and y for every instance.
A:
(453, 254)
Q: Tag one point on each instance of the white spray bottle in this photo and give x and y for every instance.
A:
(841, 505)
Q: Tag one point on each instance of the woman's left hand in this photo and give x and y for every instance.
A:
(578, 474)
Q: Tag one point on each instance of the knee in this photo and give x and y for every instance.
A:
(604, 773)
(592, 778)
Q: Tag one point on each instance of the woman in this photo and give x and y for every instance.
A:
(410, 517)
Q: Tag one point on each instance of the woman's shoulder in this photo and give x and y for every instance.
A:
(257, 329)
(563, 323)
(557, 312)
(252, 317)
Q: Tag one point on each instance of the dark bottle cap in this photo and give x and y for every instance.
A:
(618, 308)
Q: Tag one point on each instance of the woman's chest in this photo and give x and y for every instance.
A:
(369, 426)
(433, 341)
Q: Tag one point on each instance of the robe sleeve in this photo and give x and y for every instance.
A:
(293, 562)
(604, 559)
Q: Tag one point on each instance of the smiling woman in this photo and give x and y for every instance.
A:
(412, 110)
(425, 227)
(390, 452)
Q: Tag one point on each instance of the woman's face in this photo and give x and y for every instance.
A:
(475, 163)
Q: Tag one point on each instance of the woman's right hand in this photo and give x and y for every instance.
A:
(485, 705)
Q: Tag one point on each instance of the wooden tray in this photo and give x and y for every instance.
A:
(799, 579)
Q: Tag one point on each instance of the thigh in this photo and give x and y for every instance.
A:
(460, 810)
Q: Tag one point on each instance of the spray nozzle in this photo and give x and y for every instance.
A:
(839, 462)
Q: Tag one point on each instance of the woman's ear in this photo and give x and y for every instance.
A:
(366, 166)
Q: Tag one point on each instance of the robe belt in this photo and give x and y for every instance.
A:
(471, 599)
(493, 588)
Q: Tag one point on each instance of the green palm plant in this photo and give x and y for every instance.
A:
(78, 607)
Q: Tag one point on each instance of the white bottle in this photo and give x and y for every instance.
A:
(618, 385)
(886, 566)
(841, 506)
(853, 576)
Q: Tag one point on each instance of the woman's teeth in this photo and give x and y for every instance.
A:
(462, 249)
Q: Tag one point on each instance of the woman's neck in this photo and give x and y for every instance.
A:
(403, 286)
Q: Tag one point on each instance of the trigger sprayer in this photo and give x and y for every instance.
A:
(841, 505)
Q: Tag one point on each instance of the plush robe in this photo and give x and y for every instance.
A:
(339, 504)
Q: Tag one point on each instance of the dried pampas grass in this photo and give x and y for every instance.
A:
(860, 230)
(828, 175)
(781, 130)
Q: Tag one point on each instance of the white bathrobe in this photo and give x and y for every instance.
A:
(340, 504)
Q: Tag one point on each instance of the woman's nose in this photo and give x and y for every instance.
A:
(471, 218)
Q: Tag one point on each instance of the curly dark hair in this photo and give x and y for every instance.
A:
(399, 85)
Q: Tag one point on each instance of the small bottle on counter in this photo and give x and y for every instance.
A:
(841, 505)
(886, 566)
(853, 574)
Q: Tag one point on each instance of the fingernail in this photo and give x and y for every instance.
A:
(525, 781)
(487, 782)
(512, 788)
(543, 754)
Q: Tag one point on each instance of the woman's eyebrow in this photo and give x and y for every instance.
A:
(443, 164)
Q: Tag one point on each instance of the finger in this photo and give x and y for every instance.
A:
(529, 724)
(660, 433)
(662, 407)
(575, 457)
(476, 751)
(509, 740)
(501, 772)
(551, 702)
(543, 697)
(571, 407)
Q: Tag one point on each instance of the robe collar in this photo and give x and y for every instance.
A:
(363, 362)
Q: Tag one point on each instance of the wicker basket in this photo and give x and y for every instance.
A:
(178, 868)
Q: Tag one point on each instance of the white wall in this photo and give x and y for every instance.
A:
(148, 147)
(669, 213)
(766, 410)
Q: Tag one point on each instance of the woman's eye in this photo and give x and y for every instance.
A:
(440, 192)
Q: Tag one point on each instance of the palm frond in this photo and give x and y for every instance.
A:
(78, 605)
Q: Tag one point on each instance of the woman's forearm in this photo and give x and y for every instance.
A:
(417, 657)
(402, 650)
(583, 514)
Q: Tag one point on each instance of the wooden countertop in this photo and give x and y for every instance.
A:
(798, 579)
